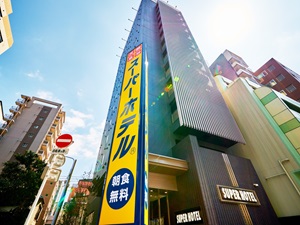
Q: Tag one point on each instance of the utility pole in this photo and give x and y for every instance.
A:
(62, 198)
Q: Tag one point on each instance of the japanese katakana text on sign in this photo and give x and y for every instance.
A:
(118, 206)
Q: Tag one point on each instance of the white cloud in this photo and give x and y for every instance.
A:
(80, 114)
(72, 123)
(35, 75)
(79, 93)
(86, 145)
(75, 120)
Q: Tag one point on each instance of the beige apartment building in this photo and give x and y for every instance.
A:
(32, 124)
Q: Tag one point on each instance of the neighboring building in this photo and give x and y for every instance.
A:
(32, 124)
(82, 188)
(55, 198)
(270, 123)
(280, 78)
(47, 195)
(6, 38)
(190, 129)
(75, 207)
(231, 66)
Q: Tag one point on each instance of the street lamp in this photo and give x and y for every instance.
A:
(60, 202)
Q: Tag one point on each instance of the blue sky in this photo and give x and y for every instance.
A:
(65, 51)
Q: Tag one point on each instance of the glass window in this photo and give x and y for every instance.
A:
(36, 126)
(167, 66)
(41, 118)
(283, 92)
(174, 116)
(271, 68)
(280, 77)
(272, 83)
(24, 145)
(291, 88)
(165, 53)
(262, 74)
(30, 135)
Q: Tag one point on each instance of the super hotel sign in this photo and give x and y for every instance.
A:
(237, 195)
(123, 193)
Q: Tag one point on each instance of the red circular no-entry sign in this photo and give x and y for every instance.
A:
(64, 140)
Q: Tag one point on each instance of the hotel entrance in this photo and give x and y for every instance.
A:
(159, 207)
(163, 171)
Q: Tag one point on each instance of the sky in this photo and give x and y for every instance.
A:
(66, 51)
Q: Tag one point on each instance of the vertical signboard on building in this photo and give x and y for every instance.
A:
(124, 194)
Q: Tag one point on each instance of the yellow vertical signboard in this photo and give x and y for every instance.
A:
(119, 198)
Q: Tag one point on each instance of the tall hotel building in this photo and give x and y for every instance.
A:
(6, 38)
(191, 179)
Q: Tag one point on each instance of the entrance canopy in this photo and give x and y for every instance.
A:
(163, 171)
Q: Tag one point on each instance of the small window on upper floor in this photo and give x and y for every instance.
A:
(291, 88)
(159, 19)
(262, 74)
(272, 83)
(24, 145)
(159, 26)
(41, 118)
(45, 111)
(163, 42)
(167, 66)
(280, 77)
(30, 135)
(165, 53)
(271, 68)
(36, 126)
(265, 73)
(283, 92)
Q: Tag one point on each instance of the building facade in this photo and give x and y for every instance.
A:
(270, 123)
(231, 66)
(279, 77)
(6, 38)
(192, 179)
(32, 124)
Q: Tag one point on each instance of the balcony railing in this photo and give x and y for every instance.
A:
(20, 101)
(15, 109)
(3, 125)
(9, 117)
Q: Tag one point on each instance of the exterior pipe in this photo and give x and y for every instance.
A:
(286, 172)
